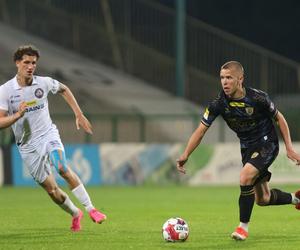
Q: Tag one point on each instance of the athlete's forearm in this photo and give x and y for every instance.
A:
(195, 140)
(284, 130)
(7, 121)
(70, 99)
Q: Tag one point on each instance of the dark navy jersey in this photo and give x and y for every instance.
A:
(250, 117)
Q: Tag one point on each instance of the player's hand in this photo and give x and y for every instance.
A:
(295, 157)
(180, 164)
(22, 109)
(82, 121)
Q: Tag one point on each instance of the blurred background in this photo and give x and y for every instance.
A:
(143, 71)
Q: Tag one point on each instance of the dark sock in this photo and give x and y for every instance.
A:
(279, 198)
(246, 202)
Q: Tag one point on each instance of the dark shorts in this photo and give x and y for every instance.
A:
(261, 156)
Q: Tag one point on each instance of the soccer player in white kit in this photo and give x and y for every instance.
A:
(24, 106)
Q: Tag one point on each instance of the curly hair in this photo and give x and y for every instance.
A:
(29, 50)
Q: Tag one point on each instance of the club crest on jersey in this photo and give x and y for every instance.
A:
(249, 110)
(39, 93)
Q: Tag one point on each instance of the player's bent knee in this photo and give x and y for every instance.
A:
(52, 191)
(246, 180)
(63, 172)
(264, 201)
(59, 161)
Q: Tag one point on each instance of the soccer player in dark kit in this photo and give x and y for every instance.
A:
(250, 114)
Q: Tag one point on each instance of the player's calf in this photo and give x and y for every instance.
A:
(57, 195)
(278, 197)
(262, 201)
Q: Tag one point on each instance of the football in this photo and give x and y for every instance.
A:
(175, 229)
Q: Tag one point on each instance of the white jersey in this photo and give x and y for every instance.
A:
(36, 122)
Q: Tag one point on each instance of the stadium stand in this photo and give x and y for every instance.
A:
(138, 39)
(105, 93)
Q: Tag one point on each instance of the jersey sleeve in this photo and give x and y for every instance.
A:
(268, 106)
(53, 85)
(210, 114)
(3, 99)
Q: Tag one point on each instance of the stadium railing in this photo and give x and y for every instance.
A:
(155, 128)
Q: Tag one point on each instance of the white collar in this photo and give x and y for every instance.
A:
(17, 86)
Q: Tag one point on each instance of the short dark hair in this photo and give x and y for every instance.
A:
(237, 65)
(29, 50)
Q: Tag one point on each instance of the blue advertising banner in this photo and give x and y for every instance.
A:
(83, 159)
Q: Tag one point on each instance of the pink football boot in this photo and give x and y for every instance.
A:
(75, 227)
(96, 216)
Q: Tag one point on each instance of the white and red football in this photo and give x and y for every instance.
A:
(175, 229)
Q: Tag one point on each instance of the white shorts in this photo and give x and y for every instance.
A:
(38, 161)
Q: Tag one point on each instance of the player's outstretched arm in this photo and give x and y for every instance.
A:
(285, 133)
(193, 142)
(81, 120)
(8, 120)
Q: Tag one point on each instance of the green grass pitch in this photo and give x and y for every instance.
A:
(29, 220)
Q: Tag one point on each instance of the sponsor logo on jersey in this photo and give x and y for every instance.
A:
(34, 108)
(249, 110)
(31, 103)
(206, 114)
(39, 93)
(237, 104)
